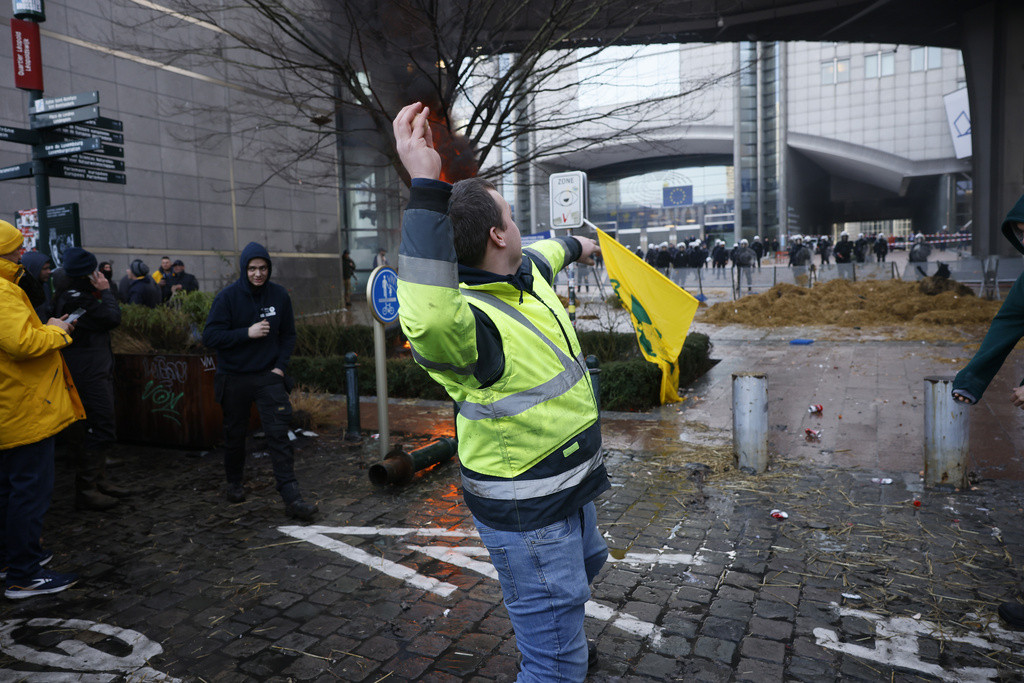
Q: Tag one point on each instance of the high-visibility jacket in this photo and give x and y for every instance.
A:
(37, 397)
(529, 436)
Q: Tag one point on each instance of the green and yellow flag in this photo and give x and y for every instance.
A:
(661, 310)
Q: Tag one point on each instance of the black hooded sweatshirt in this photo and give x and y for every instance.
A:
(237, 307)
(1006, 329)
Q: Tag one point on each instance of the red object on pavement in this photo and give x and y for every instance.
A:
(815, 409)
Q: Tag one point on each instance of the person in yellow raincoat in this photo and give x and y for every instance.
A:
(37, 400)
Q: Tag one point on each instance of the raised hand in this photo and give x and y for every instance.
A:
(415, 143)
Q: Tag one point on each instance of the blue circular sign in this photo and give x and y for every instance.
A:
(382, 294)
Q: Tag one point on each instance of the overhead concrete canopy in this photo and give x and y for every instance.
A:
(886, 171)
(912, 22)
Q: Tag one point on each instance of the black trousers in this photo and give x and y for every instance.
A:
(236, 394)
(93, 373)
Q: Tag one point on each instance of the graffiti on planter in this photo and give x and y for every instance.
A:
(167, 370)
(165, 402)
(209, 365)
(72, 657)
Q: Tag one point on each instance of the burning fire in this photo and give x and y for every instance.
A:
(458, 160)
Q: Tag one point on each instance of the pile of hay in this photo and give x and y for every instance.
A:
(856, 304)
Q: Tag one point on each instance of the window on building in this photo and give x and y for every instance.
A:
(922, 58)
(835, 71)
(878, 64)
(621, 75)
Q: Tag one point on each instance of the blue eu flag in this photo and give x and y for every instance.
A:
(681, 195)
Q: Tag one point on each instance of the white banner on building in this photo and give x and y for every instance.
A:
(958, 113)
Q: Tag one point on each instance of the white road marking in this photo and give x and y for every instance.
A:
(82, 662)
(465, 557)
(897, 645)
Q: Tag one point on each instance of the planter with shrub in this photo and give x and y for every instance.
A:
(163, 377)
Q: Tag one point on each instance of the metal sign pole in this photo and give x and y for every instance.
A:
(380, 356)
(382, 297)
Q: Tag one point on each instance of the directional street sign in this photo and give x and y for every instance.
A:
(81, 131)
(62, 170)
(99, 163)
(16, 171)
(22, 135)
(52, 119)
(67, 102)
(105, 123)
(60, 149)
(111, 151)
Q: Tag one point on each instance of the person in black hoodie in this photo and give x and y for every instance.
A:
(1006, 330)
(79, 285)
(252, 328)
(139, 288)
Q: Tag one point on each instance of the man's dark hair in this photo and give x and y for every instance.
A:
(473, 212)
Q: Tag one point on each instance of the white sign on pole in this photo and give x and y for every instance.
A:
(568, 192)
(958, 113)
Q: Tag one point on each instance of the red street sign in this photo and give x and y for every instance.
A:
(28, 57)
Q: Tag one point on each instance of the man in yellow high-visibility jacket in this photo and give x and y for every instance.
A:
(483, 319)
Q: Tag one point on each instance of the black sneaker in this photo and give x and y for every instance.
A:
(47, 556)
(234, 493)
(300, 509)
(1013, 614)
(43, 583)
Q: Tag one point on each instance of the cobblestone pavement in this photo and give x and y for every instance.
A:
(858, 583)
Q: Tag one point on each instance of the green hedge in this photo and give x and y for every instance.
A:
(632, 384)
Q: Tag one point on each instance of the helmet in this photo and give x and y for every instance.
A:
(919, 237)
(744, 242)
(797, 238)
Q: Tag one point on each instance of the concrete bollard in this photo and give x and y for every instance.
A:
(750, 421)
(946, 435)
(353, 432)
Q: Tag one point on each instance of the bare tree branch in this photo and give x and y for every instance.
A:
(304, 71)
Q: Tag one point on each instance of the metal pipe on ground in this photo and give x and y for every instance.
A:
(398, 467)
(946, 435)
(750, 421)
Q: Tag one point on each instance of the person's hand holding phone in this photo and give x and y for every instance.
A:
(99, 281)
(63, 323)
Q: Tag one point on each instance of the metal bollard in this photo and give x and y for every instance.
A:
(750, 421)
(352, 433)
(946, 435)
(594, 368)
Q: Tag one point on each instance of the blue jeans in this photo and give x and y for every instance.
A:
(26, 484)
(545, 577)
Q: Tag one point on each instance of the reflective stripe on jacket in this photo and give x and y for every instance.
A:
(37, 397)
(529, 443)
